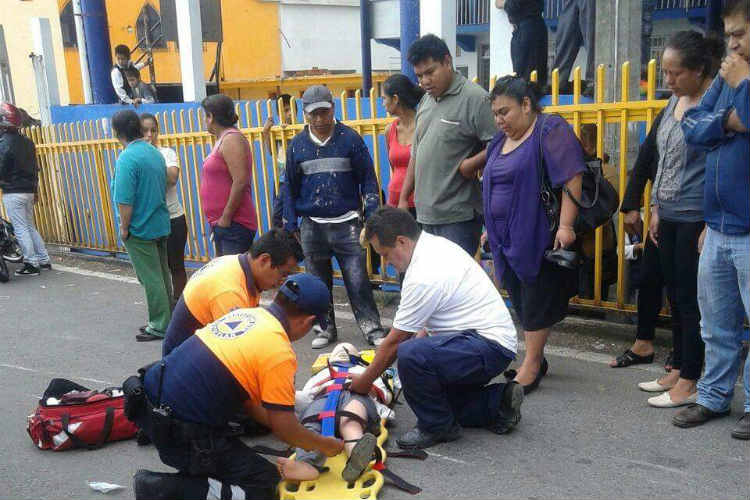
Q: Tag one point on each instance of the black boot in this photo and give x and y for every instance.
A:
(149, 485)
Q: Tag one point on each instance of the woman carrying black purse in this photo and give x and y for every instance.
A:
(519, 230)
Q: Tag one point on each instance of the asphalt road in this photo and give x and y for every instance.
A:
(587, 432)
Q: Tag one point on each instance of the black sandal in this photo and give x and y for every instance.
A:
(629, 358)
(360, 456)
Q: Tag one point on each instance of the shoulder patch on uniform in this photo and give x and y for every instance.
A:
(233, 324)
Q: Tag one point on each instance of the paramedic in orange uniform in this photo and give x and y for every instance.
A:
(244, 359)
(232, 282)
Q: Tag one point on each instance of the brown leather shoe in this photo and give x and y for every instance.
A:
(694, 415)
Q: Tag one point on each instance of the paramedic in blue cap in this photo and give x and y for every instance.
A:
(243, 361)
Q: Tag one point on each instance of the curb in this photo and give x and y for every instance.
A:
(572, 324)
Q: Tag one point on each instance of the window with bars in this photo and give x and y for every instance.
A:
(147, 19)
(68, 26)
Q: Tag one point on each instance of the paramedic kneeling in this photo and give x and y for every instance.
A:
(243, 359)
(452, 334)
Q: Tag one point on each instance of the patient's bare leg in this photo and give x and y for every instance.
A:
(351, 429)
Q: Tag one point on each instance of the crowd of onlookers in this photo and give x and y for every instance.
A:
(464, 164)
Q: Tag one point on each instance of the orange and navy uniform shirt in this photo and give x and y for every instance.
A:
(224, 284)
(245, 355)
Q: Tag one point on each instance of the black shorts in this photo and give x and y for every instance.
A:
(544, 303)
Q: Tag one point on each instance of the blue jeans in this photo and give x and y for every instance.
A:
(20, 210)
(464, 234)
(445, 379)
(321, 242)
(724, 299)
(232, 240)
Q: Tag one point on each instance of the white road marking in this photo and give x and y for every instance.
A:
(96, 274)
(26, 369)
(449, 459)
(650, 465)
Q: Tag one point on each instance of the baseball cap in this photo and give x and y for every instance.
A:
(10, 117)
(310, 294)
(316, 97)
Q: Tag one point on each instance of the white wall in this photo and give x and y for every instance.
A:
(327, 37)
(439, 18)
(501, 32)
(468, 59)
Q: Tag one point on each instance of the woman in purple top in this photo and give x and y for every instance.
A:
(517, 227)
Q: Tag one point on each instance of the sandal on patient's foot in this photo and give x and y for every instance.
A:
(360, 457)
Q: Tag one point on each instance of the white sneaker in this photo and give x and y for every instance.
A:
(323, 338)
(654, 386)
(664, 400)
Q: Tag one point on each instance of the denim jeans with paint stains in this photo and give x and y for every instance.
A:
(321, 242)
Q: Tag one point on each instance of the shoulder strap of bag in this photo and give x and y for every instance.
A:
(109, 419)
(544, 182)
(597, 173)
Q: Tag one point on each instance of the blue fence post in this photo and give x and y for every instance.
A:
(364, 28)
(409, 33)
(94, 14)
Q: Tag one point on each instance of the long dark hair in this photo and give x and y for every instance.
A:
(518, 88)
(408, 93)
(221, 108)
(698, 52)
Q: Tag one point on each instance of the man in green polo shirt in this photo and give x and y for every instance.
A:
(139, 189)
(454, 125)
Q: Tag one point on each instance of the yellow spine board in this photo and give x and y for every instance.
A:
(330, 484)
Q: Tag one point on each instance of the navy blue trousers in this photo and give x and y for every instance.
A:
(445, 379)
(464, 234)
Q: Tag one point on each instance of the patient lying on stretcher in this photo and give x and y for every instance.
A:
(357, 420)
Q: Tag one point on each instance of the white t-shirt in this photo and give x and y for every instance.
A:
(173, 204)
(446, 291)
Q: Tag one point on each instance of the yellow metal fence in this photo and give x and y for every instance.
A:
(77, 161)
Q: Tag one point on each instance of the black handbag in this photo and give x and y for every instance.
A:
(598, 203)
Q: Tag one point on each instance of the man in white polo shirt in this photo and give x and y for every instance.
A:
(452, 334)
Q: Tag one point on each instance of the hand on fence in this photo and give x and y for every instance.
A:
(124, 233)
(734, 69)
(268, 124)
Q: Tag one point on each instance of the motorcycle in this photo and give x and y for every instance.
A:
(10, 250)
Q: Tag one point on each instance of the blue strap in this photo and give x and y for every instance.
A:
(328, 422)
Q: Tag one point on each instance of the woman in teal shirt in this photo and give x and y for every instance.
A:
(138, 190)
